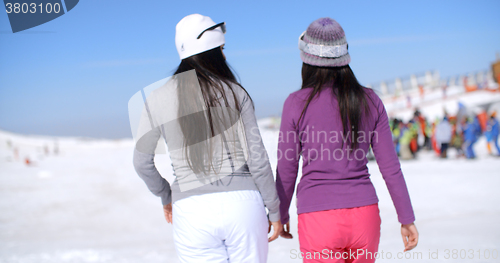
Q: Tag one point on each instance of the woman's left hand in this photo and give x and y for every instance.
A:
(410, 236)
(167, 211)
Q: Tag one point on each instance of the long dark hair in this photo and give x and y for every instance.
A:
(220, 113)
(351, 96)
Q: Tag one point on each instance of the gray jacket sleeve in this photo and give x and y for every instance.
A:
(258, 161)
(145, 167)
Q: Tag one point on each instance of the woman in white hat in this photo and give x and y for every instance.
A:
(224, 180)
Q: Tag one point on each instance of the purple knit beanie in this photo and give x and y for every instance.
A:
(323, 44)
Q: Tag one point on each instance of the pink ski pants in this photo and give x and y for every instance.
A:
(340, 235)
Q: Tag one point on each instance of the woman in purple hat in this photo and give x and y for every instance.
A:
(331, 122)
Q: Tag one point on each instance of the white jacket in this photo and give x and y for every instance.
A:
(443, 132)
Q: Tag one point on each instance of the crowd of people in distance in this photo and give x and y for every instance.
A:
(460, 132)
(29, 154)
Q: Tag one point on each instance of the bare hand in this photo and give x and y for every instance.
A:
(410, 236)
(278, 228)
(286, 231)
(167, 211)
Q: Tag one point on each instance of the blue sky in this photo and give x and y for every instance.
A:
(73, 76)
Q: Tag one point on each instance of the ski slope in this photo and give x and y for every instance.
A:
(87, 204)
(433, 103)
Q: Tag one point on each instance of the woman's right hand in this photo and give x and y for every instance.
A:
(410, 236)
(278, 228)
(286, 231)
(167, 211)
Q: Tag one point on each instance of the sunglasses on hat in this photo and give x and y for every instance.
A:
(221, 25)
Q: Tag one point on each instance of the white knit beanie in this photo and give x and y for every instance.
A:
(189, 29)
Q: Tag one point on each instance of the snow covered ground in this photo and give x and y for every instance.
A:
(86, 204)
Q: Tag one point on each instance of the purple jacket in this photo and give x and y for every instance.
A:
(333, 176)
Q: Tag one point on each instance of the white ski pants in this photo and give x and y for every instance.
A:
(221, 227)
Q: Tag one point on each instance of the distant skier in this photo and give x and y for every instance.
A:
(434, 145)
(46, 149)
(478, 128)
(56, 148)
(492, 132)
(470, 136)
(16, 153)
(28, 161)
(444, 87)
(443, 136)
(408, 101)
(396, 133)
(424, 129)
(414, 127)
(457, 140)
(421, 91)
(408, 133)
